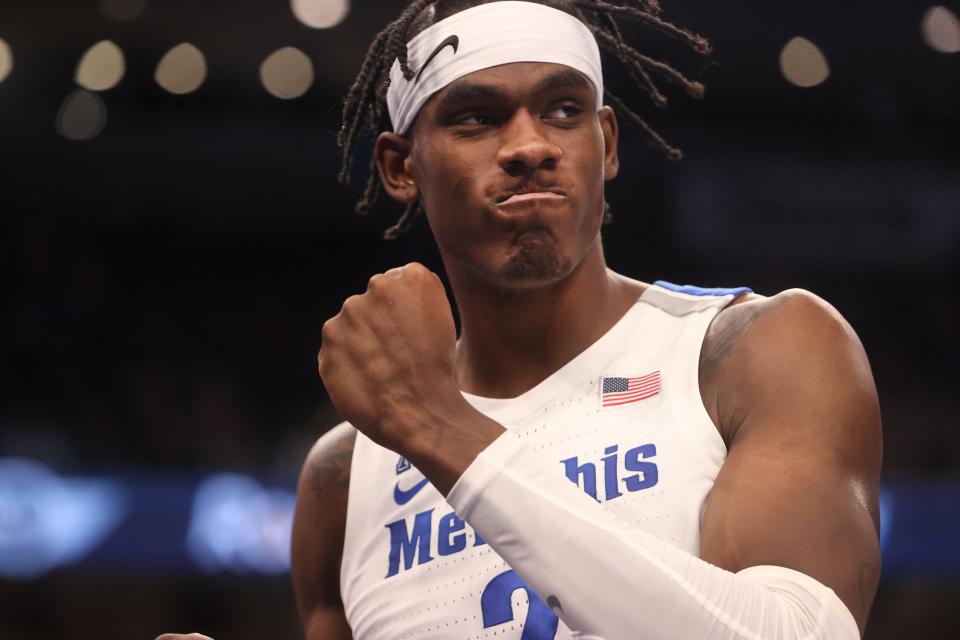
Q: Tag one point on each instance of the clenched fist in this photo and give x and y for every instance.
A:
(387, 357)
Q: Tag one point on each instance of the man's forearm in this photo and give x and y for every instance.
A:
(605, 579)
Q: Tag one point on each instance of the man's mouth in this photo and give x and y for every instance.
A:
(527, 197)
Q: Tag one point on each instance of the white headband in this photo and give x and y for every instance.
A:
(486, 36)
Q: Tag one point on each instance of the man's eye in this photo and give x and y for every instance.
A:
(475, 119)
(564, 111)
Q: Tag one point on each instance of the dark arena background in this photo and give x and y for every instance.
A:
(172, 238)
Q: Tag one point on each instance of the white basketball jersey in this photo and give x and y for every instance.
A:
(624, 420)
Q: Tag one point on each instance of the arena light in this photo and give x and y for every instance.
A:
(182, 69)
(6, 60)
(49, 521)
(82, 116)
(941, 30)
(287, 73)
(101, 67)
(320, 14)
(123, 10)
(238, 525)
(803, 64)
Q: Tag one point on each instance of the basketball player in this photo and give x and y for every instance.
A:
(594, 457)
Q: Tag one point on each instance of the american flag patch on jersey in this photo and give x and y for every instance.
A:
(617, 391)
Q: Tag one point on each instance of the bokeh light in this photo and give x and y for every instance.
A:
(287, 73)
(320, 14)
(803, 64)
(123, 10)
(182, 69)
(101, 67)
(6, 60)
(239, 525)
(50, 521)
(941, 30)
(82, 116)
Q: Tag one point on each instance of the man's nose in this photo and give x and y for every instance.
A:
(525, 146)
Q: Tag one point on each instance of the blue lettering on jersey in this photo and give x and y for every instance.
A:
(648, 474)
(415, 544)
(587, 471)
(412, 546)
(584, 474)
(447, 542)
(411, 542)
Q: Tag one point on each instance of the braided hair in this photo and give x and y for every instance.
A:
(365, 106)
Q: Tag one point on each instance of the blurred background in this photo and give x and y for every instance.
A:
(172, 238)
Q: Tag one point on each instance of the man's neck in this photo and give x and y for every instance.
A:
(510, 343)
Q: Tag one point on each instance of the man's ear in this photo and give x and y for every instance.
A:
(611, 132)
(392, 155)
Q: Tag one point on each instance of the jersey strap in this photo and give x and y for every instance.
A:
(692, 290)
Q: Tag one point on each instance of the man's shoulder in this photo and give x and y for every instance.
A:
(758, 341)
(317, 538)
(326, 470)
(755, 321)
(789, 317)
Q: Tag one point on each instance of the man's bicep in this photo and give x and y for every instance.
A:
(794, 512)
(799, 486)
(318, 531)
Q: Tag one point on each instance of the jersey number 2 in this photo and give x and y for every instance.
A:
(495, 604)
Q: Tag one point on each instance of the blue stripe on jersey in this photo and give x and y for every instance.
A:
(691, 290)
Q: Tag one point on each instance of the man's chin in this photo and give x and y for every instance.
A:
(536, 260)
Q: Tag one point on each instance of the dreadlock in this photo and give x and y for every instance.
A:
(365, 107)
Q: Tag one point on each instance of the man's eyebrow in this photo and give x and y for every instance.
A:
(463, 92)
(566, 79)
(466, 91)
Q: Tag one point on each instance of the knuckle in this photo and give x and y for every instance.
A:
(417, 269)
(418, 273)
(324, 364)
(375, 282)
(326, 332)
(395, 272)
(350, 304)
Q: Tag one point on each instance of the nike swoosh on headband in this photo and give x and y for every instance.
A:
(449, 41)
(402, 497)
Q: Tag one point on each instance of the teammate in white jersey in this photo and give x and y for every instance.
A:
(606, 458)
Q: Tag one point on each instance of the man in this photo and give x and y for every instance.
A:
(594, 456)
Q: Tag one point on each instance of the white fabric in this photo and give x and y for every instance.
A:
(439, 595)
(626, 583)
(490, 35)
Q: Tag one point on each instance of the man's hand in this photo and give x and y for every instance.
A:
(387, 357)
(387, 361)
(183, 636)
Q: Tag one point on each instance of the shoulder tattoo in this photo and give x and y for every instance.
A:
(328, 465)
(730, 327)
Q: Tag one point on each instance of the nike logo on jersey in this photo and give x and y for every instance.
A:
(451, 41)
(402, 497)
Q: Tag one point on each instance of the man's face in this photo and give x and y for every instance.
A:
(509, 163)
